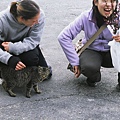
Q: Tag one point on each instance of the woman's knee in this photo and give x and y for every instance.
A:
(91, 68)
(33, 61)
(92, 72)
(30, 58)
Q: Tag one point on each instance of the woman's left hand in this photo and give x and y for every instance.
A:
(6, 46)
(117, 38)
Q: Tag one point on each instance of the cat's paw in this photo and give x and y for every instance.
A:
(38, 91)
(28, 95)
(35, 87)
(11, 93)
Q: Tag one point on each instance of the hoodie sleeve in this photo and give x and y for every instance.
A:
(33, 39)
(4, 55)
(65, 39)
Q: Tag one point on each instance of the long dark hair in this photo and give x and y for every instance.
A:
(95, 9)
(25, 8)
(112, 20)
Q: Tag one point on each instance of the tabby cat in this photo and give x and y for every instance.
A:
(29, 76)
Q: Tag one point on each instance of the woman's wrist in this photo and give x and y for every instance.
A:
(12, 62)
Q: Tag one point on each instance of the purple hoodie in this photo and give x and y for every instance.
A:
(86, 23)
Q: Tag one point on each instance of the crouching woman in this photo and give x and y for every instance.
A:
(97, 55)
(21, 27)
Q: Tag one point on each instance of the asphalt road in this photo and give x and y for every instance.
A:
(64, 97)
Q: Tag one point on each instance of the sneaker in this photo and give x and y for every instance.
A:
(91, 84)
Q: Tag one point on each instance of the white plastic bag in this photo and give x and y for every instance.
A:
(115, 54)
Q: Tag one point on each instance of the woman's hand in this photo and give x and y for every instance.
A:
(20, 66)
(77, 71)
(6, 46)
(117, 38)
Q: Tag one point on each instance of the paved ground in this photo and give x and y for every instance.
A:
(64, 97)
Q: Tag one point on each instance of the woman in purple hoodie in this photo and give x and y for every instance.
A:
(98, 53)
